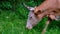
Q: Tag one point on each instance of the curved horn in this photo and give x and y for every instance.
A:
(29, 8)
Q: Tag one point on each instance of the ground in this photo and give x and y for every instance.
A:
(10, 23)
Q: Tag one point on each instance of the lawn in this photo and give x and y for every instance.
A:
(14, 22)
(10, 23)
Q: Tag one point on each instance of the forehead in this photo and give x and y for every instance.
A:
(31, 14)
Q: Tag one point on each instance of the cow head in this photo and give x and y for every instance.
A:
(32, 18)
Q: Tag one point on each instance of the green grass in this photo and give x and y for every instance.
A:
(15, 23)
(10, 23)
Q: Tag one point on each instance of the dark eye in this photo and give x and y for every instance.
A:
(32, 10)
(30, 17)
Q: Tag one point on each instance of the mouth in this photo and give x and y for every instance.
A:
(29, 27)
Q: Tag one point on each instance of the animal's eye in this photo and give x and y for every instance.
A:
(30, 17)
(32, 10)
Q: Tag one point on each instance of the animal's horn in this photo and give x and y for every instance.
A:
(30, 8)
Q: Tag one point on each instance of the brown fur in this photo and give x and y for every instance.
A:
(48, 4)
(48, 7)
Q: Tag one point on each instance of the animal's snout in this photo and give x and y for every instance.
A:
(29, 27)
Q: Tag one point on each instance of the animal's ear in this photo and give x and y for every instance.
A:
(35, 9)
(35, 6)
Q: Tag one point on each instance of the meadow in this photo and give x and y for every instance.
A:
(14, 22)
(10, 23)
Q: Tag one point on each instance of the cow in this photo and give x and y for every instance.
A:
(49, 8)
